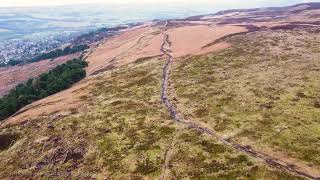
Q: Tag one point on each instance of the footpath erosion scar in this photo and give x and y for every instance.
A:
(176, 116)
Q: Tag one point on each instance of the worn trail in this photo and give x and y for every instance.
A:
(267, 159)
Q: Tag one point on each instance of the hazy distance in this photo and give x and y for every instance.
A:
(225, 3)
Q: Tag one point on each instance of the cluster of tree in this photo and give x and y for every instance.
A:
(59, 52)
(49, 55)
(11, 63)
(97, 35)
(60, 78)
(92, 36)
(14, 62)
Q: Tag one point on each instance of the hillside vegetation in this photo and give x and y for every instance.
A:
(50, 55)
(228, 96)
(59, 78)
(59, 52)
(263, 92)
(126, 133)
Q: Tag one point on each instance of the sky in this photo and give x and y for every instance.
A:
(28, 3)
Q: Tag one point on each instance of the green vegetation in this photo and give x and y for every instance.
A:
(125, 133)
(98, 34)
(58, 79)
(59, 52)
(12, 62)
(92, 34)
(49, 55)
(264, 91)
(199, 157)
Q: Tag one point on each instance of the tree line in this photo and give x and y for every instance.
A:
(59, 52)
(57, 79)
(49, 55)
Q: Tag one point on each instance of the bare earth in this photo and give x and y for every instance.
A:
(125, 48)
(190, 40)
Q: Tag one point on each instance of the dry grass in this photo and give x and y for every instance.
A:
(124, 134)
(263, 92)
(125, 48)
(191, 40)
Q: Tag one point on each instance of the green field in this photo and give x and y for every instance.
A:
(126, 133)
(262, 92)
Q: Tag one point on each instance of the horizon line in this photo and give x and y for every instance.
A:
(124, 3)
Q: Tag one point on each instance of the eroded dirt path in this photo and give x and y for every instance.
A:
(267, 159)
(165, 49)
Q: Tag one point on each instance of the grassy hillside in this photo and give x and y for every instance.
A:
(262, 92)
(125, 133)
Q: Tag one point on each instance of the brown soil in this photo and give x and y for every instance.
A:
(190, 40)
(125, 48)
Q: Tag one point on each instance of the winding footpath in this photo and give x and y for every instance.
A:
(267, 159)
(165, 77)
